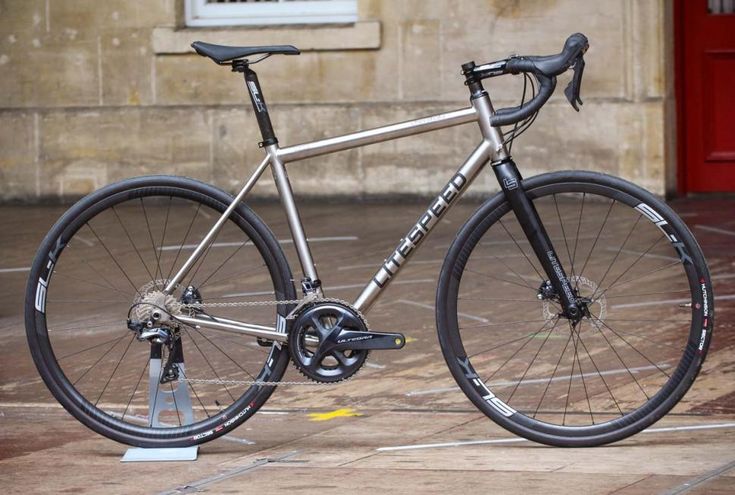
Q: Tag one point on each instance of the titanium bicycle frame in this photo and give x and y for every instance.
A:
(491, 149)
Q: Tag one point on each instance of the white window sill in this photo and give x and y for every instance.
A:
(363, 35)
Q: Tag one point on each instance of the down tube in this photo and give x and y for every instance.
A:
(426, 222)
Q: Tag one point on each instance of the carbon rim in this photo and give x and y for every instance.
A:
(515, 376)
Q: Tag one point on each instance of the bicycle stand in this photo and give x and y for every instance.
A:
(161, 400)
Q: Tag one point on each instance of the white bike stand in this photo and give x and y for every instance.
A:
(160, 400)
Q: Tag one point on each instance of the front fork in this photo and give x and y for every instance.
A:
(510, 181)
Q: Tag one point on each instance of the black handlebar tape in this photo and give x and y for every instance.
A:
(551, 65)
(507, 116)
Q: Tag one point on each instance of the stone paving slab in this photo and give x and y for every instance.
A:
(402, 399)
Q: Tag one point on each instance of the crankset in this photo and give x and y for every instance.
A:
(329, 341)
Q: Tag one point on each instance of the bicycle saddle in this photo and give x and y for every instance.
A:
(222, 53)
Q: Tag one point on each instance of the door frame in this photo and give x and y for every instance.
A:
(679, 92)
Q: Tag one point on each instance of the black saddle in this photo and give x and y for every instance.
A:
(222, 54)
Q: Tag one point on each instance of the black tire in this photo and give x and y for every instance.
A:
(42, 296)
(677, 337)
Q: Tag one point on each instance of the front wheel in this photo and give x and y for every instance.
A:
(105, 262)
(648, 312)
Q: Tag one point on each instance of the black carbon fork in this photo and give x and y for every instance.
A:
(510, 181)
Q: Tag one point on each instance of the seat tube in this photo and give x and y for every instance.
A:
(294, 220)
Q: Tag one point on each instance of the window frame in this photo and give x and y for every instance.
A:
(200, 13)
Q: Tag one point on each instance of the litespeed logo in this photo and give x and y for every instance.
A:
(420, 230)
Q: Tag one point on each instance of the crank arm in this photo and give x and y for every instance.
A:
(354, 340)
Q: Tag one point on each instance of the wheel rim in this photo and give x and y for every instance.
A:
(525, 368)
(112, 248)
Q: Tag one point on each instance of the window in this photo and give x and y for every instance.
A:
(718, 7)
(263, 12)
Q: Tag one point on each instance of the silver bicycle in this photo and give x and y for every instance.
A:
(161, 311)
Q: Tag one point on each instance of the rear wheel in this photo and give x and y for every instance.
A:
(647, 324)
(115, 250)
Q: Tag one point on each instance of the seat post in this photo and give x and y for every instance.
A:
(258, 101)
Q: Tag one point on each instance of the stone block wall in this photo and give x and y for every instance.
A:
(92, 92)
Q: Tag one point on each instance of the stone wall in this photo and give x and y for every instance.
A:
(92, 92)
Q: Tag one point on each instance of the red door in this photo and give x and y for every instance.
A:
(706, 95)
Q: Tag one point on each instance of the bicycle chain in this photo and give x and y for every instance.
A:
(268, 303)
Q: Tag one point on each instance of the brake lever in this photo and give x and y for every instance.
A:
(575, 85)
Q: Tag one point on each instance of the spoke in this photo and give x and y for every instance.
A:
(553, 374)
(200, 261)
(183, 241)
(152, 413)
(523, 281)
(227, 355)
(208, 363)
(88, 348)
(521, 250)
(135, 248)
(632, 346)
(163, 235)
(594, 243)
(237, 274)
(619, 250)
(678, 348)
(483, 325)
(176, 405)
(575, 358)
(500, 279)
(132, 337)
(564, 234)
(191, 386)
(584, 383)
(635, 320)
(615, 282)
(130, 400)
(156, 252)
(518, 383)
(579, 225)
(599, 374)
(223, 263)
(649, 293)
(104, 246)
(97, 273)
(620, 359)
(543, 327)
(62, 274)
(581, 374)
(99, 359)
(497, 299)
(88, 301)
(528, 335)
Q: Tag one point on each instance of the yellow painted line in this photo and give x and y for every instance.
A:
(338, 413)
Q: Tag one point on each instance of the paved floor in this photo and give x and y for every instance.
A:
(400, 426)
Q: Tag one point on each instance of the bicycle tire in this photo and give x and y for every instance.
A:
(40, 290)
(514, 413)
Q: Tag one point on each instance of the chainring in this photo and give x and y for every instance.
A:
(308, 342)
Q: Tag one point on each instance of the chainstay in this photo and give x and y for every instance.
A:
(252, 382)
(235, 304)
